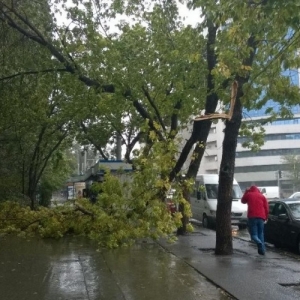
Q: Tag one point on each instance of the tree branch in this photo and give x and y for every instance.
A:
(131, 145)
(174, 118)
(83, 210)
(92, 141)
(39, 38)
(145, 115)
(222, 116)
(150, 100)
(32, 73)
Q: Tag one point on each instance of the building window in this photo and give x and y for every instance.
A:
(212, 130)
(210, 145)
(284, 122)
(211, 158)
(274, 137)
(260, 168)
(273, 152)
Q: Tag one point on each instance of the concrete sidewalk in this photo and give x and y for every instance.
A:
(244, 275)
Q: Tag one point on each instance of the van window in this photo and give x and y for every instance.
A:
(212, 191)
(236, 192)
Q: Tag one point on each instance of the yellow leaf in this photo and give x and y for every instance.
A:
(247, 68)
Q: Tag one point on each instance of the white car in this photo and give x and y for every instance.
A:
(295, 195)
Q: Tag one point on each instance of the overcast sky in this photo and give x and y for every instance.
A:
(189, 17)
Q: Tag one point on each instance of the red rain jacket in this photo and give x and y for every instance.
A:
(257, 203)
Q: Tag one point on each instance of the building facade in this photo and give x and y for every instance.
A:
(282, 137)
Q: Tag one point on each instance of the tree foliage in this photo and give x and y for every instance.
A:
(123, 213)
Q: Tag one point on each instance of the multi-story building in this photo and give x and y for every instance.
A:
(213, 153)
(282, 137)
(211, 160)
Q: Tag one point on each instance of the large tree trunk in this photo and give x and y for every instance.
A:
(200, 128)
(32, 195)
(199, 135)
(223, 217)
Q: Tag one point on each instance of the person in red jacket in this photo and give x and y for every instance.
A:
(258, 210)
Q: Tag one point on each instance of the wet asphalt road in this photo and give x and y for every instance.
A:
(73, 269)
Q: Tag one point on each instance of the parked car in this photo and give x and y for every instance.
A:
(283, 225)
(295, 195)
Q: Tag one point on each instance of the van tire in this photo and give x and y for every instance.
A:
(205, 221)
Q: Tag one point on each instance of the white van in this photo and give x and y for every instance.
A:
(270, 192)
(204, 201)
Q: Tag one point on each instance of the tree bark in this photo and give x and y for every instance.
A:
(223, 216)
(226, 175)
(200, 128)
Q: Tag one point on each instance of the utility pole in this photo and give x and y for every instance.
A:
(279, 182)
